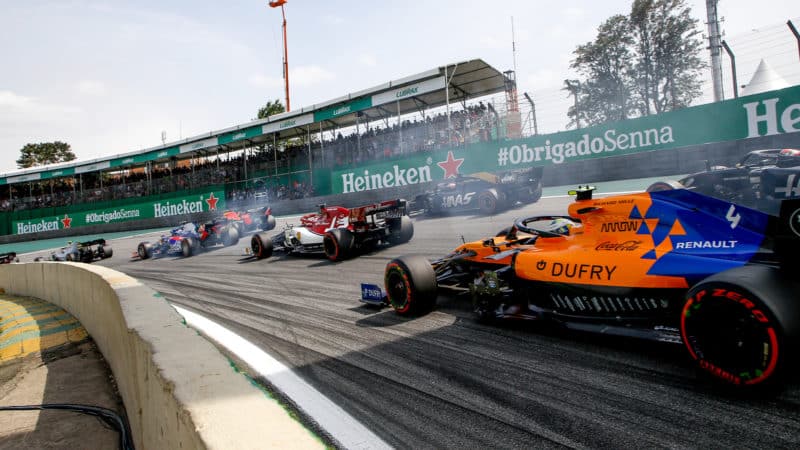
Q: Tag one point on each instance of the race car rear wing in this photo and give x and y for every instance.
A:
(100, 241)
(392, 208)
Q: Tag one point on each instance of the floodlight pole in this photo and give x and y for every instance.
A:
(275, 4)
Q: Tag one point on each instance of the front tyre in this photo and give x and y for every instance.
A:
(741, 325)
(106, 252)
(410, 285)
(667, 185)
(187, 247)
(261, 245)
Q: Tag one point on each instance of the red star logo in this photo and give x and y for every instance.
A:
(212, 202)
(66, 221)
(451, 165)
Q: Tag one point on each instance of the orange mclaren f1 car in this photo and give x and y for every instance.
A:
(674, 266)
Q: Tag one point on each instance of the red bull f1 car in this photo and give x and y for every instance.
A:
(340, 232)
(251, 220)
(674, 266)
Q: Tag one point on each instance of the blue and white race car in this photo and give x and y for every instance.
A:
(183, 240)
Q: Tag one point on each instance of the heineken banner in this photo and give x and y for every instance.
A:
(176, 206)
(770, 113)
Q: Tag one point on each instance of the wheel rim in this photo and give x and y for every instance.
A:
(142, 252)
(732, 339)
(487, 203)
(397, 288)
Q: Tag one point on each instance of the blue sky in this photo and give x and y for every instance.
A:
(109, 76)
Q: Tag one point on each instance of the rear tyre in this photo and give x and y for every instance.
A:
(231, 236)
(268, 224)
(740, 325)
(401, 230)
(70, 257)
(106, 251)
(487, 202)
(667, 185)
(261, 245)
(410, 285)
(338, 244)
(187, 247)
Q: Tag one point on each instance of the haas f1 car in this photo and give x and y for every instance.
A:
(86, 252)
(673, 266)
(761, 180)
(340, 232)
(483, 192)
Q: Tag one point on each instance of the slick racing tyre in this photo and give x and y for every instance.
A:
(69, 257)
(230, 236)
(338, 244)
(741, 326)
(410, 285)
(187, 247)
(261, 245)
(487, 202)
(503, 232)
(268, 223)
(144, 250)
(401, 230)
(106, 251)
(667, 185)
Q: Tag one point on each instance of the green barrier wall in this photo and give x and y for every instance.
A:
(48, 219)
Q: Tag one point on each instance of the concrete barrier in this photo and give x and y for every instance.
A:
(178, 390)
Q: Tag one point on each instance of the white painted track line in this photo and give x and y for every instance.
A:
(346, 430)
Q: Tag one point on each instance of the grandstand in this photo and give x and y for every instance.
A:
(279, 157)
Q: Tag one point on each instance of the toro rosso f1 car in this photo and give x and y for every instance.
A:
(673, 266)
(183, 240)
(86, 252)
(340, 232)
(484, 192)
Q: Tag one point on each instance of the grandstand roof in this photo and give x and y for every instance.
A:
(467, 80)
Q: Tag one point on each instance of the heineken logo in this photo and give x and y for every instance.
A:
(43, 225)
(127, 161)
(162, 154)
(391, 178)
(288, 123)
(168, 209)
(775, 121)
(239, 136)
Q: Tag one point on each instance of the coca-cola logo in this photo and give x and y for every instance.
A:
(627, 246)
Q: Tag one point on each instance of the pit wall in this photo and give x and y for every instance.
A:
(178, 390)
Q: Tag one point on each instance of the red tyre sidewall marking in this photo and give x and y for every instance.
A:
(773, 362)
(404, 275)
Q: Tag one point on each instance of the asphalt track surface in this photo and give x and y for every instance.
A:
(445, 381)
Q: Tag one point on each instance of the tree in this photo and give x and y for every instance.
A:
(668, 64)
(605, 94)
(271, 108)
(644, 63)
(32, 155)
